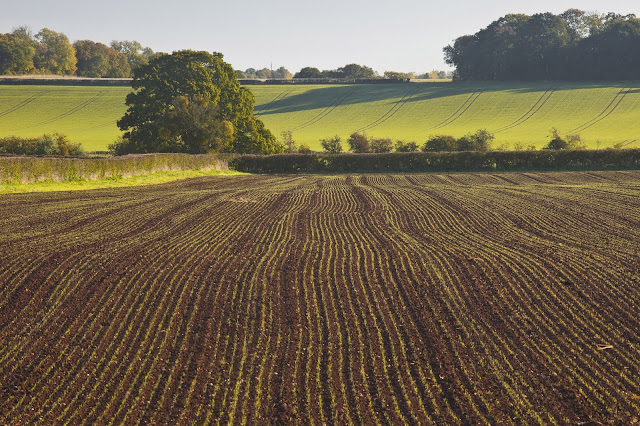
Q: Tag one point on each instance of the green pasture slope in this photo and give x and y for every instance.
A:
(604, 114)
(516, 112)
(86, 114)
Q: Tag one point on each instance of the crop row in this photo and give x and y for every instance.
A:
(460, 298)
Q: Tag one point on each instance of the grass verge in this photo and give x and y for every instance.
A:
(118, 182)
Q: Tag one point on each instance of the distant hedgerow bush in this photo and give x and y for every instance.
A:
(479, 141)
(440, 143)
(55, 144)
(571, 141)
(358, 143)
(332, 145)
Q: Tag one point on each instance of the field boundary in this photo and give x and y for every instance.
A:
(421, 162)
(25, 170)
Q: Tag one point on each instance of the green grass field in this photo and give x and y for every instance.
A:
(604, 114)
(86, 114)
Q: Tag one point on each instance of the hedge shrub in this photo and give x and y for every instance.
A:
(439, 161)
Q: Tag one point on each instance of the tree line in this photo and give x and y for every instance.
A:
(478, 141)
(349, 71)
(264, 73)
(361, 143)
(574, 45)
(51, 52)
(356, 71)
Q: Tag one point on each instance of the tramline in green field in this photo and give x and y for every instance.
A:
(518, 113)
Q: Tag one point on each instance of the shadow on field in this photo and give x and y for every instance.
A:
(333, 96)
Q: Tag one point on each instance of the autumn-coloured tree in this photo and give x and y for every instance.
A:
(54, 53)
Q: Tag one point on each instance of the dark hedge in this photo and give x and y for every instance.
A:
(440, 161)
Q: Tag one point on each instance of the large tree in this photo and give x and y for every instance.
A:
(54, 53)
(191, 102)
(99, 60)
(16, 54)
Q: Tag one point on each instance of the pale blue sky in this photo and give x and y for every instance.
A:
(398, 35)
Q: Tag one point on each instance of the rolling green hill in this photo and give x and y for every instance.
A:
(86, 114)
(518, 113)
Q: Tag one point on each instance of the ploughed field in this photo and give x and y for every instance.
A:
(459, 298)
(604, 114)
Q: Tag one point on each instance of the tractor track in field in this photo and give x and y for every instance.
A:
(459, 112)
(392, 111)
(606, 112)
(627, 142)
(20, 105)
(271, 104)
(102, 126)
(72, 111)
(537, 106)
(326, 111)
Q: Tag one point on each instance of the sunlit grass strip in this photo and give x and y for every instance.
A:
(119, 182)
(16, 170)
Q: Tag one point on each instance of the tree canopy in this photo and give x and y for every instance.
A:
(16, 54)
(190, 101)
(265, 73)
(309, 72)
(54, 53)
(574, 45)
(349, 71)
(135, 53)
(356, 71)
(50, 52)
(99, 60)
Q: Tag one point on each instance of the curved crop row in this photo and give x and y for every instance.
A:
(366, 299)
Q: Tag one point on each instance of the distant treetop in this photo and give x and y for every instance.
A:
(574, 45)
(50, 52)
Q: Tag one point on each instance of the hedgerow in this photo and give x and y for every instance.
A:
(55, 144)
(32, 169)
(440, 161)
